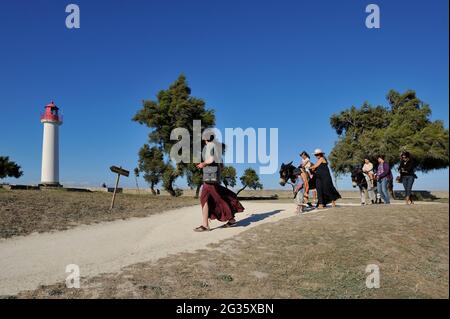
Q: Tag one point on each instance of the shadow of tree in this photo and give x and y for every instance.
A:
(417, 195)
(256, 218)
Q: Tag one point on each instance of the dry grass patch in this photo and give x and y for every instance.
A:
(25, 212)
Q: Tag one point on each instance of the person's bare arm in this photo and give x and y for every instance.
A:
(208, 161)
(320, 161)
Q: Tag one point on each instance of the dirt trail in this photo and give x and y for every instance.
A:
(27, 262)
(41, 259)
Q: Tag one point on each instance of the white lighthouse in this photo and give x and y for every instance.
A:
(50, 146)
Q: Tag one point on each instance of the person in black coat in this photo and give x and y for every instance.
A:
(326, 192)
(407, 175)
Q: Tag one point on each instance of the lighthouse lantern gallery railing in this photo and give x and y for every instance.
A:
(52, 117)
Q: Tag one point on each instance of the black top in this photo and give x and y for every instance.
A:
(406, 168)
(326, 192)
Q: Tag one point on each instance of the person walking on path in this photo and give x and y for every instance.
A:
(217, 201)
(407, 175)
(369, 176)
(326, 192)
(384, 177)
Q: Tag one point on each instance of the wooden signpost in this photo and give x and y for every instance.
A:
(119, 171)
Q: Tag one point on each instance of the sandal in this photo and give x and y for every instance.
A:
(200, 229)
(229, 224)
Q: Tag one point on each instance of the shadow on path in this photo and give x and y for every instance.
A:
(308, 209)
(256, 218)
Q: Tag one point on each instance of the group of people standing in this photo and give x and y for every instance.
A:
(381, 180)
(378, 182)
(314, 177)
(317, 179)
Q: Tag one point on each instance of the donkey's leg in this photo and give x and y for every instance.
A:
(362, 194)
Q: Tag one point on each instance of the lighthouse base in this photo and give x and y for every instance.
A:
(50, 185)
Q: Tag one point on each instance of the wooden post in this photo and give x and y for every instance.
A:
(119, 171)
(115, 191)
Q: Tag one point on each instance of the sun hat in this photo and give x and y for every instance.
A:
(318, 151)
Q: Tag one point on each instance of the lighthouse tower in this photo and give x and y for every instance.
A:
(50, 147)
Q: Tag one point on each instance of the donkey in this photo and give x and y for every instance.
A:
(358, 179)
(287, 174)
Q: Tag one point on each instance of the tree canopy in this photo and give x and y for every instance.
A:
(228, 176)
(9, 168)
(404, 125)
(174, 108)
(151, 163)
(250, 179)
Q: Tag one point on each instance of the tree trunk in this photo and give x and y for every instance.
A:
(137, 185)
(197, 191)
(170, 189)
(241, 189)
(152, 187)
(169, 186)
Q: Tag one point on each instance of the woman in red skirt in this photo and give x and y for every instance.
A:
(217, 202)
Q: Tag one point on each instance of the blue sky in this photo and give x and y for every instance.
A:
(284, 64)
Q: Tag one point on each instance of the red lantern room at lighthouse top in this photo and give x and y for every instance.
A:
(51, 114)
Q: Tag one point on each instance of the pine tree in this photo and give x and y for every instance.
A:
(174, 108)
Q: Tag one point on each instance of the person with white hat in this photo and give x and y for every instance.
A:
(326, 192)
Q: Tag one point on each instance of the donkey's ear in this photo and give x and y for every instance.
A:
(282, 165)
(290, 163)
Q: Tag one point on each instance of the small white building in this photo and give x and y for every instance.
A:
(50, 146)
